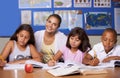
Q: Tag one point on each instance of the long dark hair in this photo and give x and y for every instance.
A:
(25, 27)
(82, 36)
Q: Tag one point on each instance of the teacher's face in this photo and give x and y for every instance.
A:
(52, 24)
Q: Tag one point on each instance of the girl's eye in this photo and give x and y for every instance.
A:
(71, 38)
(55, 24)
(49, 21)
(77, 40)
(105, 39)
(21, 35)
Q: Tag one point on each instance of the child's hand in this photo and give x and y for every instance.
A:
(94, 62)
(2, 63)
(51, 62)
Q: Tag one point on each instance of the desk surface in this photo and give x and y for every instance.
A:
(39, 73)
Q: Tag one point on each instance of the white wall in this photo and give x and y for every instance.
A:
(93, 40)
(3, 41)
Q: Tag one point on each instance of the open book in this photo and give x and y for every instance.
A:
(81, 69)
(62, 71)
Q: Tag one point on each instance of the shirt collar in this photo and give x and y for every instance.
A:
(110, 52)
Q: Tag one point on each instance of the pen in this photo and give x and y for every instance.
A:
(1, 58)
(56, 67)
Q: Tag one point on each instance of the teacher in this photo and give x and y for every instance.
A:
(50, 40)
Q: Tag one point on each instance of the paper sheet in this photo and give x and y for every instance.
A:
(13, 66)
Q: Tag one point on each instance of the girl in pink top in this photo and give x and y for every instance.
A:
(77, 43)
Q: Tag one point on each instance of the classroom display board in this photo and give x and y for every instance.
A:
(91, 15)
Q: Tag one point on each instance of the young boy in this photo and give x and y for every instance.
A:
(104, 51)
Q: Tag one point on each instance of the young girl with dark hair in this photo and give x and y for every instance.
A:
(76, 46)
(21, 46)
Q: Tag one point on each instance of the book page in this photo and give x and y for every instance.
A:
(61, 71)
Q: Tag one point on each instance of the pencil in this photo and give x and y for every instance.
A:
(95, 55)
(52, 51)
(1, 58)
(50, 54)
(53, 54)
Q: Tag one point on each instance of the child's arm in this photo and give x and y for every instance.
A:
(89, 60)
(5, 52)
(56, 57)
(2, 61)
(111, 58)
(35, 54)
(7, 49)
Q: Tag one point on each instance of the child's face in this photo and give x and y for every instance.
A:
(23, 37)
(108, 40)
(74, 41)
(52, 24)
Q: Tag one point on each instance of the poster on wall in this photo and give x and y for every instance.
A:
(116, 3)
(98, 20)
(34, 4)
(26, 16)
(82, 3)
(41, 17)
(70, 18)
(117, 19)
(62, 3)
(102, 3)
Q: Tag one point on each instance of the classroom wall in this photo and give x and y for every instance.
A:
(93, 40)
(77, 11)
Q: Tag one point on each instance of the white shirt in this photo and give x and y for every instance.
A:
(17, 54)
(100, 52)
(60, 40)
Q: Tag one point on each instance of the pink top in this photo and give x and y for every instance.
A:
(69, 56)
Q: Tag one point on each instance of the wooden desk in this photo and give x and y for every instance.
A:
(39, 73)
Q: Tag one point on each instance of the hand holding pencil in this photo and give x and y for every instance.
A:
(95, 60)
(95, 55)
(2, 61)
(51, 62)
